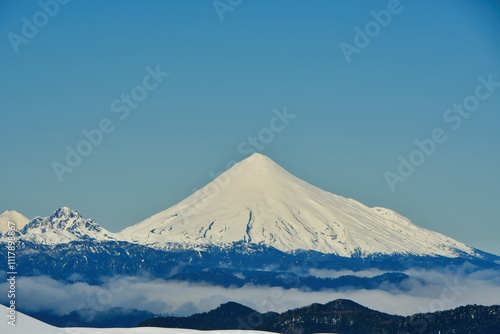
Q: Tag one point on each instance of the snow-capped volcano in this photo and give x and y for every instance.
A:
(12, 216)
(258, 202)
(63, 226)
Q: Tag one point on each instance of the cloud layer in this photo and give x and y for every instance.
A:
(426, 291)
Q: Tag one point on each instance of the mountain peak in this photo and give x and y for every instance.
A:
(344, 304)
(65, 212)
(6, 212)
(256, 201)
(14, 217)
(62, 226)
(256, 164)
(258, 159)
(232, 307)
(255, 179)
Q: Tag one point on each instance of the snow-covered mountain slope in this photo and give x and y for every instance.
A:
(14, 217)
(25, 324)
(28, 325)
(256, 201)
(63, 226)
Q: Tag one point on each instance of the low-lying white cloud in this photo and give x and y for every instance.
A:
(328, 273)
(426, 291)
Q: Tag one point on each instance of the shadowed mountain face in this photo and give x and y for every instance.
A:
(227, 316)
(339, 316)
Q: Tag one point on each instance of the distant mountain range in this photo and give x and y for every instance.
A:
(253, 216)
(257, 202)
(339, 316)
(64, 226)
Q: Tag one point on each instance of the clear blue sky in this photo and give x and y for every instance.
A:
(352, 121)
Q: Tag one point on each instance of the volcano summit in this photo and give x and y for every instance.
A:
(258, 202)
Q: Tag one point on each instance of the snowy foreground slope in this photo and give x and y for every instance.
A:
(28, 325)
(258, 202)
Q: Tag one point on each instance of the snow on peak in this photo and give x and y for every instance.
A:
(65, 212)
(12, 216)
(258, 177)
(258, 160)
(257, 201)
(63, 226)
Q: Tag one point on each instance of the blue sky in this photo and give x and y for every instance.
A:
(353, 119)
